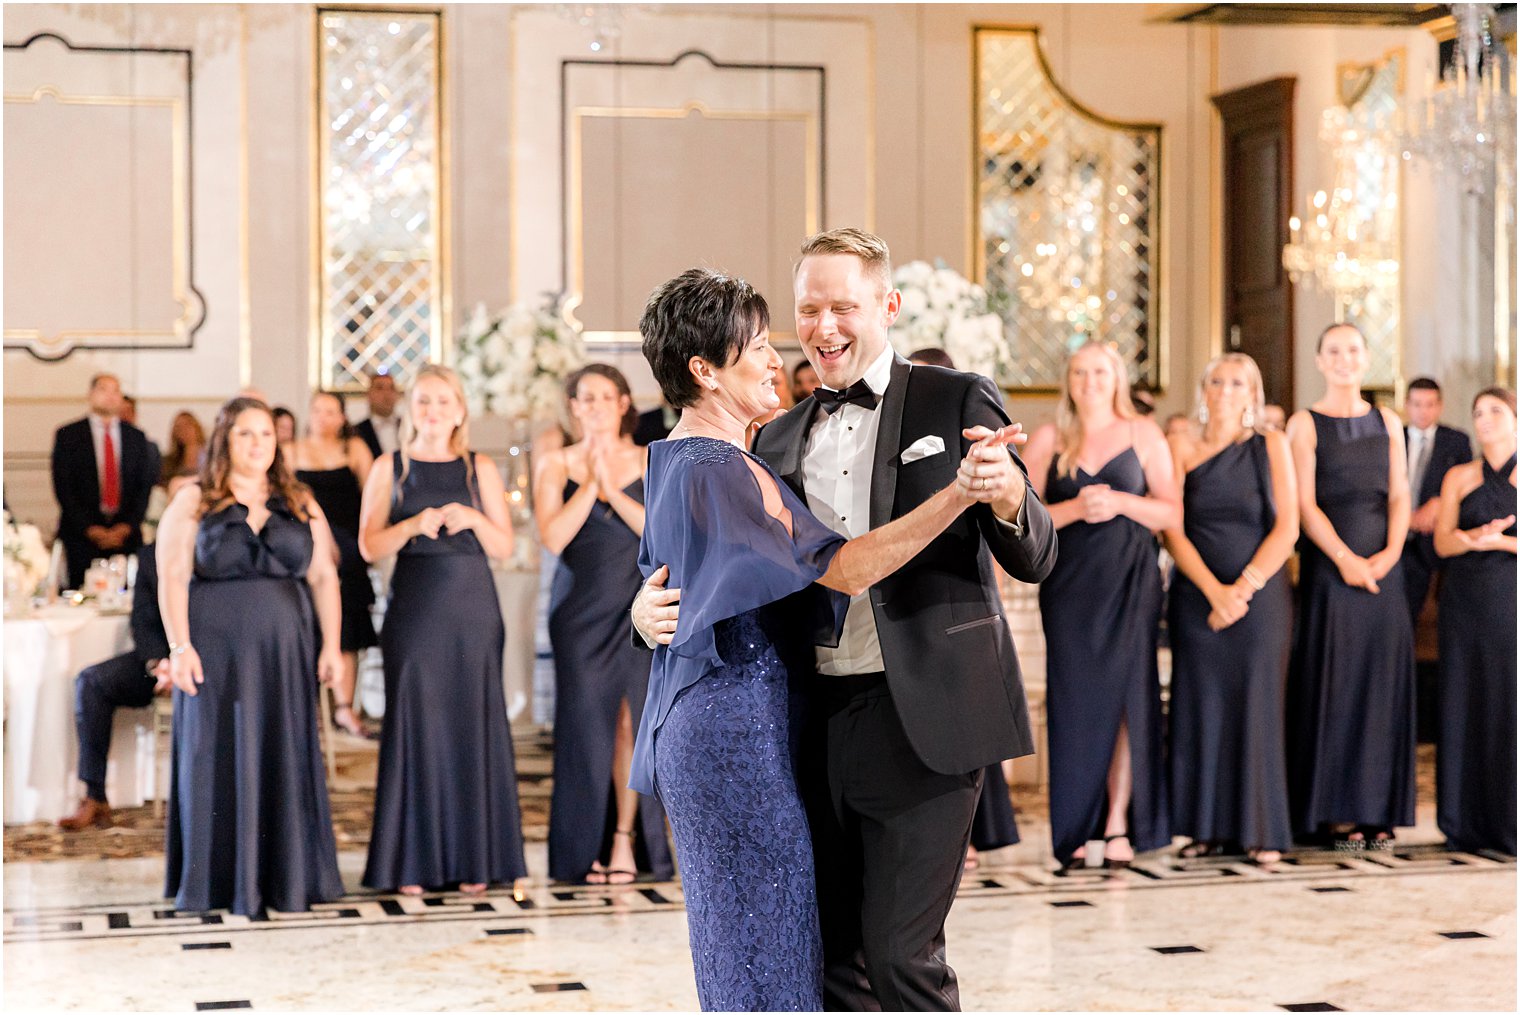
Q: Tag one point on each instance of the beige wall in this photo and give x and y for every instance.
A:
(900, 94)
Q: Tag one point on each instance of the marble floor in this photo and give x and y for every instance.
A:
(1417, 929)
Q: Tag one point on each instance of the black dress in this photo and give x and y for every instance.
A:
(446, 794)
(1475, 756)
(337, 491)
(1229, 778)
(596, 668)
(1101, 608)
(248, 824)
(994, 825)
(1351, 687)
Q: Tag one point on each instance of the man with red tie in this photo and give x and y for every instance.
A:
(103, 472)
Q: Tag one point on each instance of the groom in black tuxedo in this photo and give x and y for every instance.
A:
(923, 690)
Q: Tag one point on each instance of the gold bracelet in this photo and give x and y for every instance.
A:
(1253, 578)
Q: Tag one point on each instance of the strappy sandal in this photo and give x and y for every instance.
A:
(1197, 849)
(1110, 862)
(1344, 842)
(614, 873)
(1380, 839)
(363, 732)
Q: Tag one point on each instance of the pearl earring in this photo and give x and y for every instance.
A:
(1248, 418)
(1203, 414)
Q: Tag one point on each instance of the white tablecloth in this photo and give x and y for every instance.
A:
(43, 655)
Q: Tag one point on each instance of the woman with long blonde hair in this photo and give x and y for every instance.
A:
(1105, 473)
(1231, 621)
(446, 795)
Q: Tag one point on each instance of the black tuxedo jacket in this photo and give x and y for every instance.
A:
(1451, 447)
(365, 431)
(949, 658)
(76, 484)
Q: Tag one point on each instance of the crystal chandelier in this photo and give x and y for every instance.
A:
(1347, 243)
(1466, 127)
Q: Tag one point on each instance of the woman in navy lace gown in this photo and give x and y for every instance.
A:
(589, 502)
(1475, 755)
(446, 794)
(1231, 622)
(1351, 718)
(1101, 609)
(716, 738)
(248, 824)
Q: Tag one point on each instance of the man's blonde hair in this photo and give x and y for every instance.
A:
(870, 248)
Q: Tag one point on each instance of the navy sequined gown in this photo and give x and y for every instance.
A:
(1475, 754)
(1101, 611)
(446, 793)
(596, 667)
(716, 740)
(1351, 716)
(248, 825)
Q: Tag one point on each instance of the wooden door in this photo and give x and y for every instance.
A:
(1258, 198)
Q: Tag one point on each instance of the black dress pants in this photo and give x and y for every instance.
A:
(99, 690)
(889, 842)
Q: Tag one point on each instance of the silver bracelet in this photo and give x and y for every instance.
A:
(177, 648)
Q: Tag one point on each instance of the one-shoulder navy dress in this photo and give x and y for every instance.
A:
(716, 738)
(248, 824)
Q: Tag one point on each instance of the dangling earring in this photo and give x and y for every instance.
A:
(459, 421)
(1203, 415)
(1248, 418)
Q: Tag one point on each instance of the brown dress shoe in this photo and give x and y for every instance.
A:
(91, 812)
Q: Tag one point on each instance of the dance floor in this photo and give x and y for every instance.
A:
(1415, 929)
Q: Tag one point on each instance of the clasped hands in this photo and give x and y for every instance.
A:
(112, 537)
(1366, 572)
(1486, 536)
(455, 517)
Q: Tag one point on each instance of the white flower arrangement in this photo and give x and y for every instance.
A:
(941, 308)
(26, 557)
(514, 363)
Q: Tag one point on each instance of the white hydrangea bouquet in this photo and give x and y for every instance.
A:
(514, 363)
(26, 561)
(942, 308)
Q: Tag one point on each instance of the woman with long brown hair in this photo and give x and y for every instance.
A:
(248, 825)
(446, 795)
(1105, 473)
(187, 442)
(336, 464)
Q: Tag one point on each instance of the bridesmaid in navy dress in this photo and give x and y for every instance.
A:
(248, 824)
(446, 794)
(716, 741)
(1101, 608)
(1351, 711)
(1475, 756)
(336, 464)
(1231, 622)
(589, 502)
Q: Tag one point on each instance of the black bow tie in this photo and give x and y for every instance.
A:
(860, 393)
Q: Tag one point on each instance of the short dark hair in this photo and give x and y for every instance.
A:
(702, 313)
(1319, 343)
(933, 355)
(1423, 384)
(801, 366)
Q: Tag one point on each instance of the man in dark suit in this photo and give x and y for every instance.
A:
(126, 681)
(381, 431)
(654, 425)
(1433, 448)
(923, 690)
(104, 470)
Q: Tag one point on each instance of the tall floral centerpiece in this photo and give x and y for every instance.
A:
(26, 564)
(942, 308)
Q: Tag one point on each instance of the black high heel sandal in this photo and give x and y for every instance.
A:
(1112, 864)
(613, 872)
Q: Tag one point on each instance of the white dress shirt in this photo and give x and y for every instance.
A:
(836, 475)
(98, 427)
(1421, 444)
(387, 431)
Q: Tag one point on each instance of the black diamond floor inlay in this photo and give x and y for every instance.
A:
(206, 946)
(1178, 949)
(1071, 904)
(1330, 888)
(551, 988)
(499, 931)
(1311, 1006)
(221, 1005)
(1462, 935)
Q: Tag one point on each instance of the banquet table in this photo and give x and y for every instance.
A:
(44, 652)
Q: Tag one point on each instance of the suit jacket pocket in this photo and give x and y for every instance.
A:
(984, 622)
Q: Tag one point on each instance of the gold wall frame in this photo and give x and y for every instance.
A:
(575, 197)
(1152, 339)
(58, 344)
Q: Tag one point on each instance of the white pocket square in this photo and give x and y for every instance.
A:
(923, 448)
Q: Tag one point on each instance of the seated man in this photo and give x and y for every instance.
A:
(125, 681)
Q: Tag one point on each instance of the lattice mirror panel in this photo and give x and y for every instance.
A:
(379, 190)
(1067, 216)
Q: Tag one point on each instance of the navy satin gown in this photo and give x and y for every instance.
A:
(1475, 753)
(1101, 611)
(596, 668)
(338, 493)
(1229, 781)
(717, 737)
(248, 825)
(1351, 710)
(446, 794)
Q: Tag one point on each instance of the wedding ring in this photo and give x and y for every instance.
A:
(984, 483)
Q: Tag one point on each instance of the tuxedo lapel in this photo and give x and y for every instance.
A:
(786, 458)
(888, 440)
